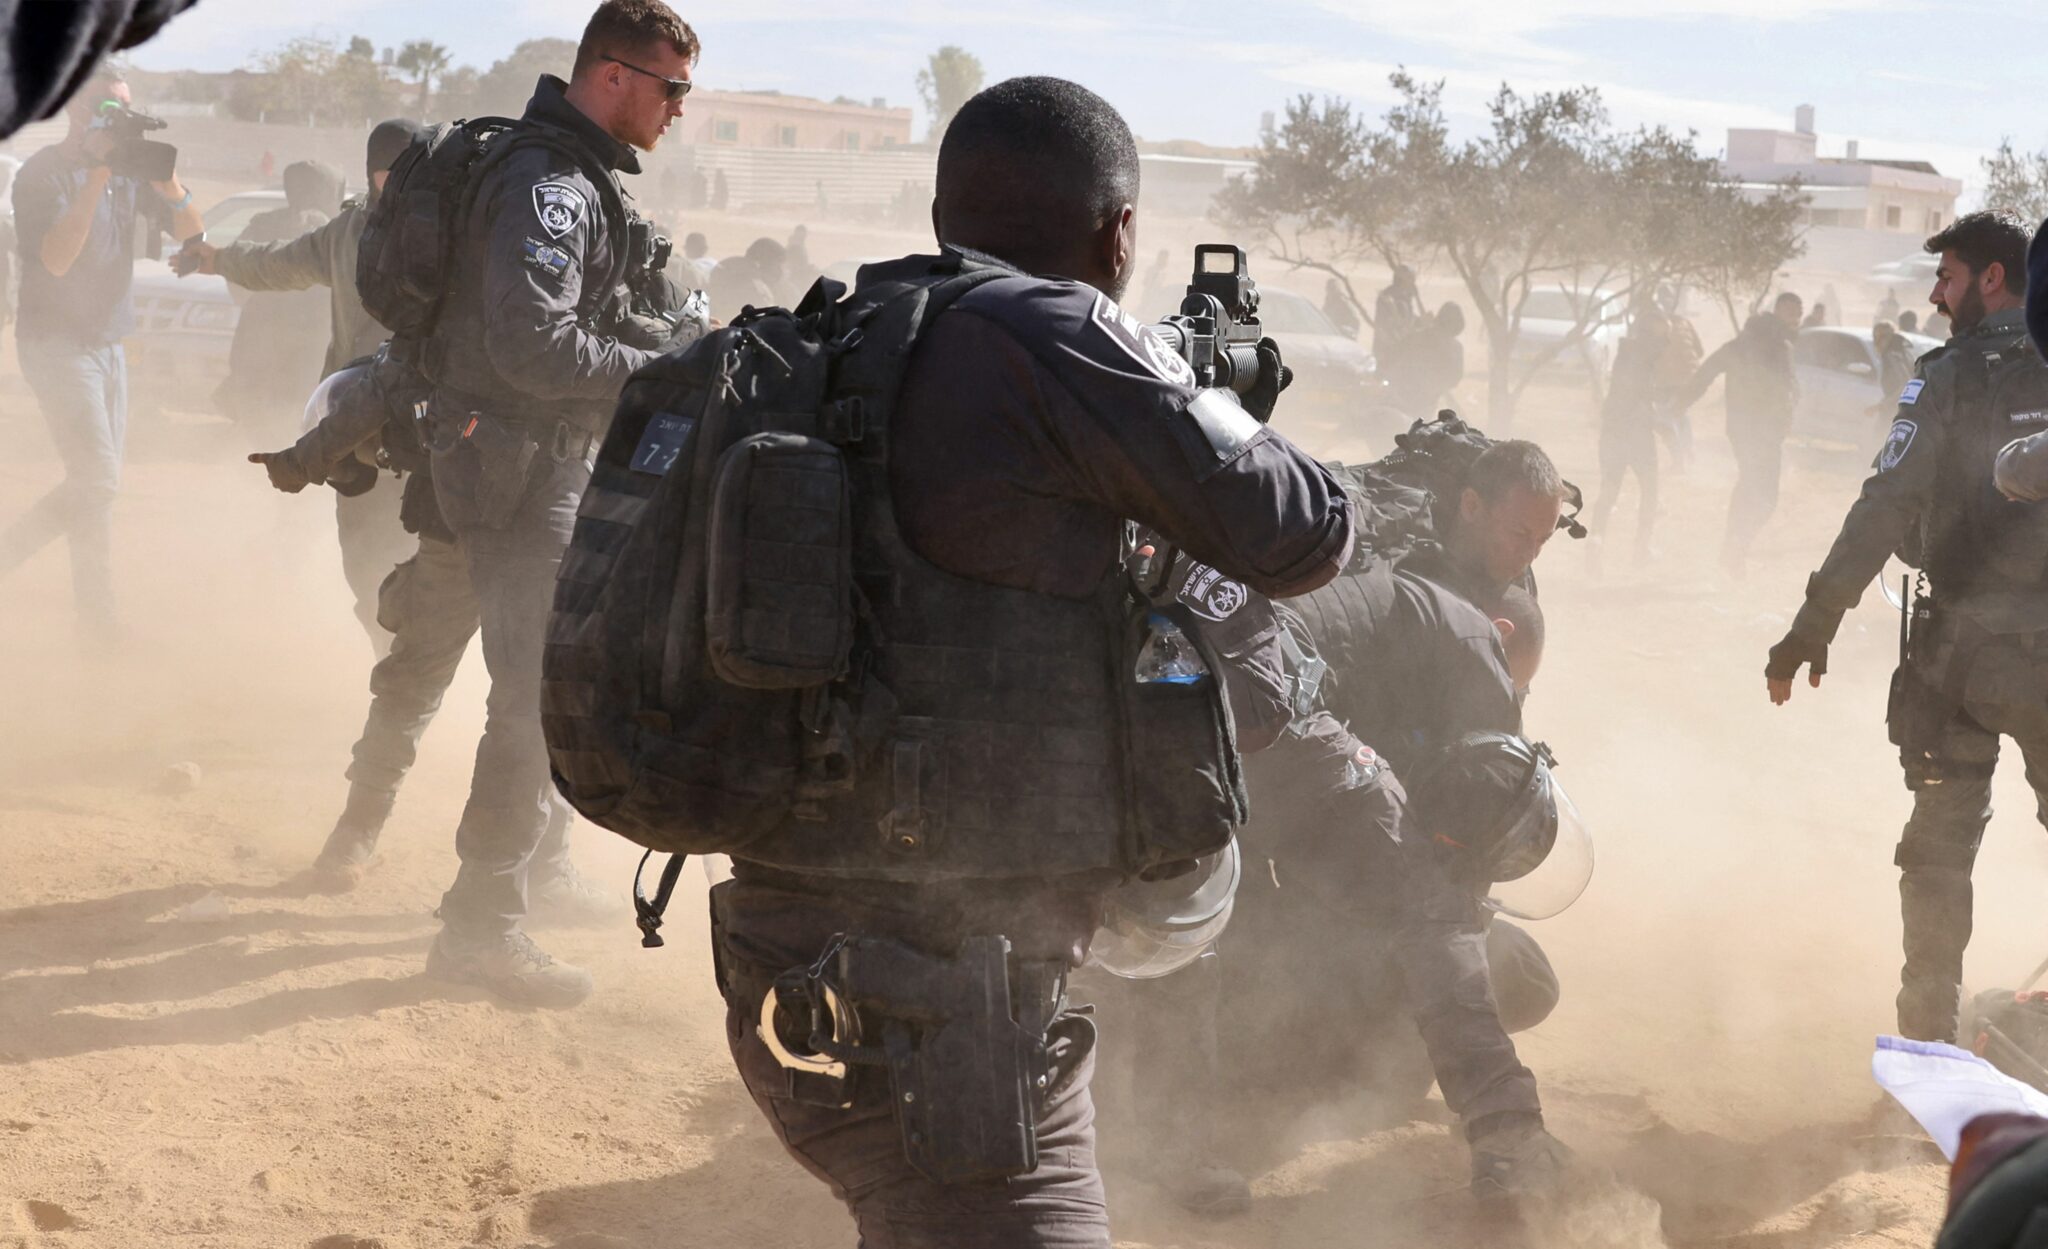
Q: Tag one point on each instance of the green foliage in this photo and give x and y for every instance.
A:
(309, 81)
(424, 60)
(2017, 182)
(1548, 195)
(947, 81)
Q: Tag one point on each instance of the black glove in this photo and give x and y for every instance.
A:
(287, 472)
(1796, 649)
(352, 477)
(1274, 377)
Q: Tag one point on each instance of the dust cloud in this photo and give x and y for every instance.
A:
(194, 1047)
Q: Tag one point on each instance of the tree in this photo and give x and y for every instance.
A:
(505, 87)
(1547, 197)
(947, 81)
(458, 94)
(2017, 183)
(362, 49)
(424, 60)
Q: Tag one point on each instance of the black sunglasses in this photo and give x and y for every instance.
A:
(677, 87)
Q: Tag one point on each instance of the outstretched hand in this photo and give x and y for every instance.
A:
(1796, 650)
(284, 470)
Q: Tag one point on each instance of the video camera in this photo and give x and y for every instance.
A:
(1217, 330)
(134, 156)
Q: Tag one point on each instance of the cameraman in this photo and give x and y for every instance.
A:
(75, 222)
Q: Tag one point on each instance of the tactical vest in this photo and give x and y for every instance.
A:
(1973, 540)
(746, 657)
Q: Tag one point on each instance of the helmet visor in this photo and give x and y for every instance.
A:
(1151, 929)
(1546, 858)
(327, 396)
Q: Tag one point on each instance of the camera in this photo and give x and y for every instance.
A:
(1217, 330)
(132, 155)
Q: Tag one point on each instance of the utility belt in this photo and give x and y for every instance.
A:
(973, 1046)
(508, 446)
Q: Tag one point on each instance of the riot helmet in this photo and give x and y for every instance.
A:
(352, 383)
(1152, 928)
(1496, 800)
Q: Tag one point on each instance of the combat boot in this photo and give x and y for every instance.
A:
(509, 965)
(351, 849)
(1517, 1158)
(567, 896)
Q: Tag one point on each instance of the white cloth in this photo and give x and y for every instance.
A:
(1944, 1087)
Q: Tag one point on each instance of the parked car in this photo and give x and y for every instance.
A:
(1550, 316)
(1841, 399)
(178, 354)
(1335, 386)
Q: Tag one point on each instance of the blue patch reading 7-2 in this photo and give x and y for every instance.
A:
(662, 442)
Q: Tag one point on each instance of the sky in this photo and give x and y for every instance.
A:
(1886, 72)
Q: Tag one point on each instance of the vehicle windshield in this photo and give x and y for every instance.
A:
(1284, 312)
(226, 220)
(1562, 305)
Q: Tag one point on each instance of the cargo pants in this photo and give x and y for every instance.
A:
(510, 495)
(430, 612)
(2004, 695)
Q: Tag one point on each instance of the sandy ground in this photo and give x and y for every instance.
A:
(193, 1054)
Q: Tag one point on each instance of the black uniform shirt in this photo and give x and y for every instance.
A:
(1037, 416)
(1907, 479)
(515, 331)
(1427, 671)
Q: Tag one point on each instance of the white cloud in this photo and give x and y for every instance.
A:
(1507, 32)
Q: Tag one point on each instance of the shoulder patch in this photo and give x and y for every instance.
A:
(1911, 394)
(1138, 341)
(546, 257)
(1210, 594)
(559, 206)
(1897, 444)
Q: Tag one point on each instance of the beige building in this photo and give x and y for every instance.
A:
(767, 119)
(1900, 197)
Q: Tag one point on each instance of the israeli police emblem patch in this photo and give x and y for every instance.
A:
(1896, 445)
(1209, 593)
(1141, 343)
(559, 206)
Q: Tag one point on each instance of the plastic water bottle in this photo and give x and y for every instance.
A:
(1169, 656)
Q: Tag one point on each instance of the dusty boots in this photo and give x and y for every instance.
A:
(351, 848)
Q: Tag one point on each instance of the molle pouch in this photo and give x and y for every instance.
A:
(1183, 779)
(504, 465)
(778, 610)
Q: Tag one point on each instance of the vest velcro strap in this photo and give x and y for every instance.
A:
(903, 826)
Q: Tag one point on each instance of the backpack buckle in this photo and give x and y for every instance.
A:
(845, 421)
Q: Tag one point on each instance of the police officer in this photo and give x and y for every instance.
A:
(530, 358)
(1035, 415)
(1507, 512)
(1971, 675)
(1361, 921)
(373, 540)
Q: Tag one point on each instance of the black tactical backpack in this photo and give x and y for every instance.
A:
(1396, 498)
(701, 678)
(406, 262)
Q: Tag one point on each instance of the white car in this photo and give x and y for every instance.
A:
(1550, 316)
(1841, 397)
(178, 354)
(1335, 386)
